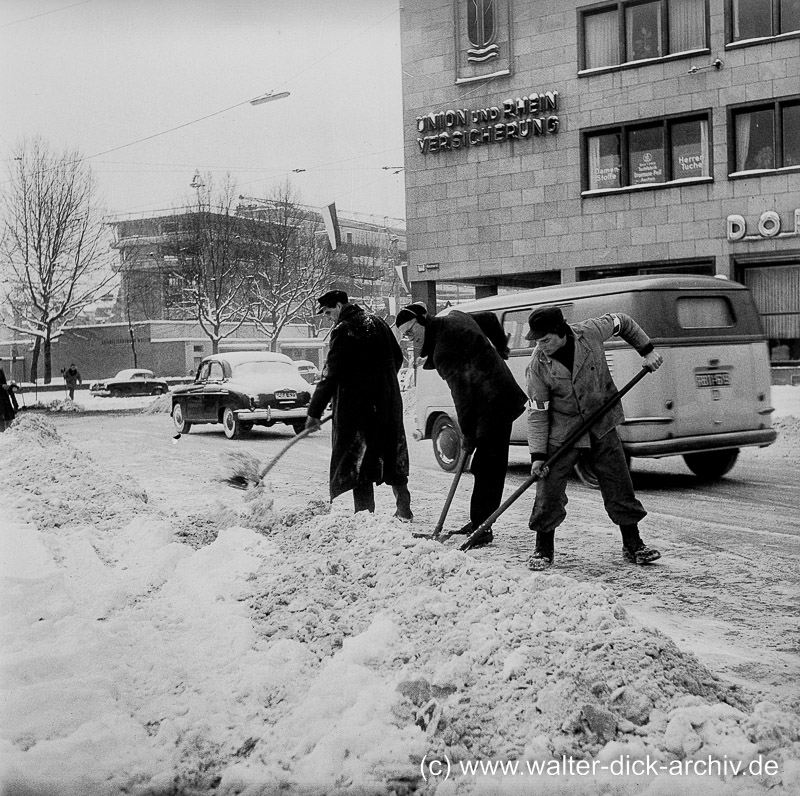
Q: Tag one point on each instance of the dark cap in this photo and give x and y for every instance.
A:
(412, 312)
(331, 299)
(544, 320)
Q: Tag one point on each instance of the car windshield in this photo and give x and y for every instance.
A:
(247, 370)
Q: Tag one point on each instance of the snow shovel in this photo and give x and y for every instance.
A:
(461, 464)
(238, 481)
(568, 443)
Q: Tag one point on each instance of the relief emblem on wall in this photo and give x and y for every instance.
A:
(483, 39)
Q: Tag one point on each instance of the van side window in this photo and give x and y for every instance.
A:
(705, 312)
(515, 324)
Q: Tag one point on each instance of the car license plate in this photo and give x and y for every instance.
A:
(712, 379)
(286, 395)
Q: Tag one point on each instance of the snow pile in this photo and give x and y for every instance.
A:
(322, 653)
(159, 406)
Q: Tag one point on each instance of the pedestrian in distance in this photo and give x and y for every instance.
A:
(71, 379)
(567, 380)
(360, 379)
(8, 402)
(469, 353)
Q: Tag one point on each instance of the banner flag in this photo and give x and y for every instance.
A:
(332, 225)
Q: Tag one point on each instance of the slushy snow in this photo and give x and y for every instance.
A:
(295, 649)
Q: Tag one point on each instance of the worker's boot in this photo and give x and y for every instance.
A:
(543, 554)
(403, 501)
(634, 549)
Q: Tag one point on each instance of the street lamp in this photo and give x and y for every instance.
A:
(269, 97)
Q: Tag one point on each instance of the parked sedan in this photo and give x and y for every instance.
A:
(242, 389)
(133, 381)
(308, 370)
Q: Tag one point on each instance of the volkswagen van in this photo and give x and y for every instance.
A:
(709, 399)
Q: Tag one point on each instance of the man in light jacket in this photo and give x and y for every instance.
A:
(567, 380)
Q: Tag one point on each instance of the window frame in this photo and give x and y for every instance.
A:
(621, 7)
(623, 129)
(776, 105)
(732, 43)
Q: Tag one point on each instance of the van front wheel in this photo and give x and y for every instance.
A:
(446, 443)
(711, 465)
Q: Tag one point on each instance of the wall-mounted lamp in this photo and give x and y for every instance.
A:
(717, 64)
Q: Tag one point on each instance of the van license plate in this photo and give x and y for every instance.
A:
(712, 379)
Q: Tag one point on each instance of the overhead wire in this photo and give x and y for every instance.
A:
(45, 13)
(280, 85)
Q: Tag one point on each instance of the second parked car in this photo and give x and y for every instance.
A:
(133, 381)
(242, 389)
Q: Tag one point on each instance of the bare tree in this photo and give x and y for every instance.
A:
(294, 263)
(216, 261)
(53, 245)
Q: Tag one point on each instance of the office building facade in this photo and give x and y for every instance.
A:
(549, 143)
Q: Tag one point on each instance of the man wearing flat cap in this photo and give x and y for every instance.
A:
(568, 380)
(468, 352)
(360, 379)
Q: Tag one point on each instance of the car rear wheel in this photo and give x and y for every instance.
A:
(447, 443)
(232, 425)
(585, 472)
(181, 425)
(711, 465)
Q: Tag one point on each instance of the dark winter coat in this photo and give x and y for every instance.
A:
(484, 390)
(360, 378)
(8, 403)
(72, 377)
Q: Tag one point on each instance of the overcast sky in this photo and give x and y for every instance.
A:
(100, 75)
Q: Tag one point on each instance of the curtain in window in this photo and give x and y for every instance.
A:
(704, 148)
(643, 24)
(790, 15)
(594, 162)
(742, 140)
(604, 161)
(752, 19)
(776, 292)
(791, 135)
(687, 25)
(601, 40)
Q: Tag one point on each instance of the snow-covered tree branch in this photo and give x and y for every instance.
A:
(53, 247)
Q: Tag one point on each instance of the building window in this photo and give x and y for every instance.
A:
(656, 152)
(766, 136)
(626, 32)
(761, 19)
(776, 291)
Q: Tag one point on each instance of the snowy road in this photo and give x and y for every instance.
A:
(725, 589)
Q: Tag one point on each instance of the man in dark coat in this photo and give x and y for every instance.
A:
(468, 353)
(71, 379)
(8, 402)
(360, 379)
